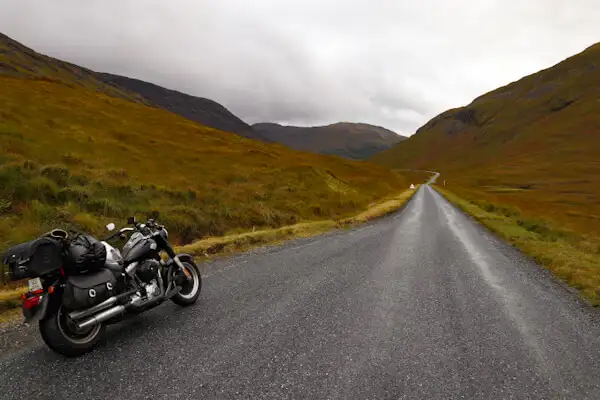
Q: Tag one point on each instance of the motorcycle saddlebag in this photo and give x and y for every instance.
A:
(33, 259)
(85, 291)
(85, 254)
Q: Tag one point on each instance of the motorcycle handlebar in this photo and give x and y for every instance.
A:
(149, 226)
(118, 233)
(111, 237)
(143, 228)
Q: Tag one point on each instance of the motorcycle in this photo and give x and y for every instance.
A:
(78, 284)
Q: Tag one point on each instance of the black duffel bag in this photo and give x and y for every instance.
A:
(32, 259)
(85, 291)
(85, 254)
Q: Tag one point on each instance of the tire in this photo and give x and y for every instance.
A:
(61, 337)
(191, 289)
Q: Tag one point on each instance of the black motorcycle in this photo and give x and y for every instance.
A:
(78, 284)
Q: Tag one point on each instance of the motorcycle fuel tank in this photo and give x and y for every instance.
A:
(138, 248)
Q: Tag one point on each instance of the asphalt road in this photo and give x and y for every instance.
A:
(424, 304)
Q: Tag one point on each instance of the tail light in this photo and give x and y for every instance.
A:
(32, 299)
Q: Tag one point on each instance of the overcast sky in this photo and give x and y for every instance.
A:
(390, 63)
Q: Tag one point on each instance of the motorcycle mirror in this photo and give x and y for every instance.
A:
(131, 220)
(110, 227)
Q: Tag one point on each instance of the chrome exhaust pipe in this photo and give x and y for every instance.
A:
(99, 307)
(136, 304)
(90, 311)
(101, 317)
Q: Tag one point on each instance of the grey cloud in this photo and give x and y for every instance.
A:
(390, 63)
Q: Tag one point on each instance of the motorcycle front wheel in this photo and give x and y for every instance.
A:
(60, 334)
(190, 290)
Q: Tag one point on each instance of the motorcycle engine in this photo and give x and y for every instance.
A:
(152, 290)
(148, 270)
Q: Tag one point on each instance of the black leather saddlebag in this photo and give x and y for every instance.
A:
(85, 291)
(33, 259)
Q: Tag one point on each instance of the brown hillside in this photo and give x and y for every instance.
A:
(534, 144)
(19, 61)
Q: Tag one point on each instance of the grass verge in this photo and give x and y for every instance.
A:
(384, 208)
(230, 244)
(572, 257)
(245, 241)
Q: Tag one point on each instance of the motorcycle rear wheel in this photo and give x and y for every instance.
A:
(60, 335)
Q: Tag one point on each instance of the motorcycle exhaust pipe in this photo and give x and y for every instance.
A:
(101, 317)
(99, 307)
(90, 311)
(116, 311)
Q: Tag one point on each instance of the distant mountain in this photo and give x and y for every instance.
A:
(205, 111)
(349, 140)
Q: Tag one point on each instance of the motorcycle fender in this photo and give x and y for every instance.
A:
(182, 257)
(186, 258)
(38, 312)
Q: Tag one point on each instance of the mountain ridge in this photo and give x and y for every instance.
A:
(200, 109)
(20, 61)
(345, 139)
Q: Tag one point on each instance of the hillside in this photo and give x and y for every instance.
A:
(19, 61)
(78, 153)
(533, 144)
(355, 141)
(205, 111)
